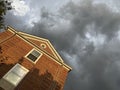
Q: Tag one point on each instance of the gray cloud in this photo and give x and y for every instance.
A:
(15, 21)
(105, 21)
(95, 69)
(98, 71)
(95, 64)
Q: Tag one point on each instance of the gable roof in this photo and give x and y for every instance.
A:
(37, 41)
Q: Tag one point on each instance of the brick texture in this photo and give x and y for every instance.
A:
(46, 74)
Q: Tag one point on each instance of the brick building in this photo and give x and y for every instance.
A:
(28, 62)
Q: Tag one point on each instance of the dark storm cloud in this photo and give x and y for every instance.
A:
(79, 17)
(95, 66)
(86, 13)
(92, 69)
(99, 70)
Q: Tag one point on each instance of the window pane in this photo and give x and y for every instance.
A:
(19, 71)
(16, 74)
(35, 53)
(32, 57)
(13, 78)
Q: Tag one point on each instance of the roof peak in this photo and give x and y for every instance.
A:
(26, 36)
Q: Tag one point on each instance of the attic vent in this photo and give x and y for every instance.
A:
(43, 45)
(33, 55)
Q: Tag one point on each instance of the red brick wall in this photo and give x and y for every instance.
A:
(46, 74)
(41, 42)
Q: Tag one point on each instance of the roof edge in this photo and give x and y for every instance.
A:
(17, 32)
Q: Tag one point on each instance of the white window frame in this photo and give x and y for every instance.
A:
(36, 59)
(11, 70)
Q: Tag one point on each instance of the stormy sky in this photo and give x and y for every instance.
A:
(86, 33)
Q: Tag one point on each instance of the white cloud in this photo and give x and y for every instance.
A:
(20, 7)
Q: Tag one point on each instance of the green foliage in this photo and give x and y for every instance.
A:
(5, 5)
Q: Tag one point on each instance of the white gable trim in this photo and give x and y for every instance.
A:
(45, 41)
(39, 49)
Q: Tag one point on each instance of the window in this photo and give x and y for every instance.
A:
(34, 55)
(16, 74)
